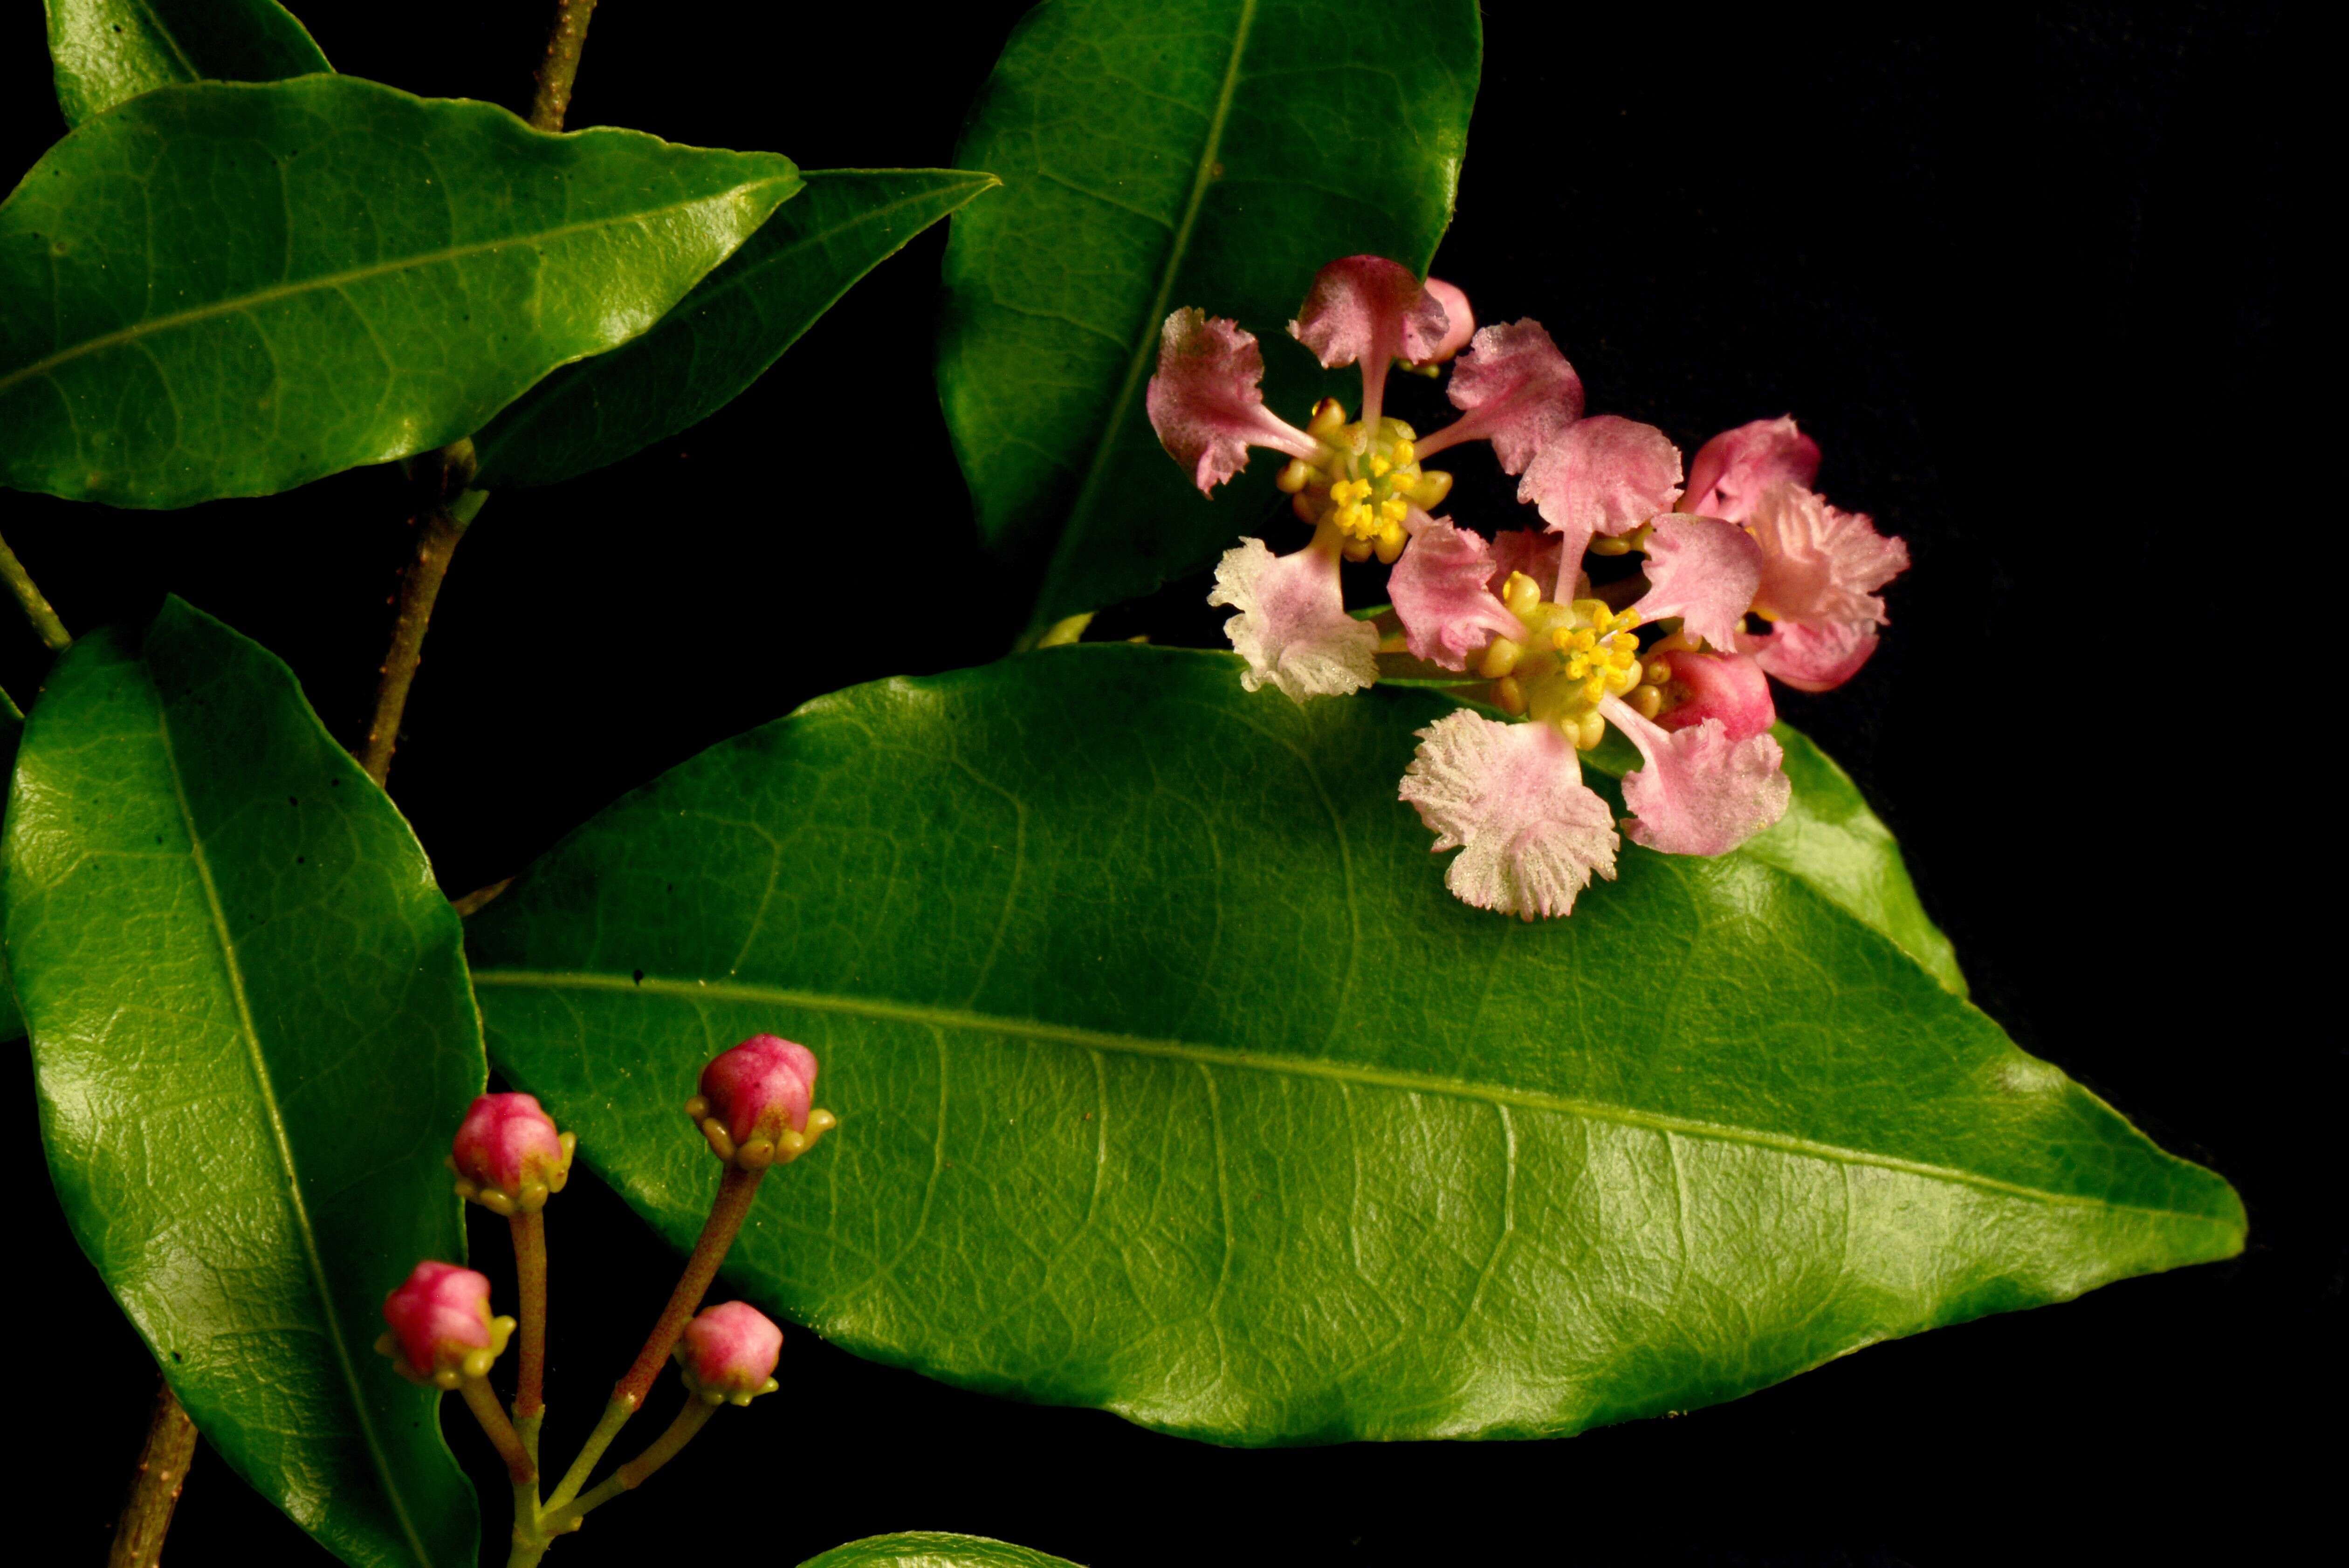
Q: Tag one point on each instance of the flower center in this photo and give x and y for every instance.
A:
(1364, 494)
(1574, 656)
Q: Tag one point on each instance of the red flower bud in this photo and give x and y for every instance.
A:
(756, 1103)
(442, 1330)
(728, 1353)
(508, 1157)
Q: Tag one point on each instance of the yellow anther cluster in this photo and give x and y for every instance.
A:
(1580, 654)
(1364, 489)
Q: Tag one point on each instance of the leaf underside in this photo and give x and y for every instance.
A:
(108, 51)
(252, 1031)
(1171, 1079)
(725, 334)
(1154, 154)
(227, 289)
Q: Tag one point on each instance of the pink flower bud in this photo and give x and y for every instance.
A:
(442, 1330)
(508, 1157)
(728, 1353)
(1727, 687)
(1459, 320)
(756, 1104)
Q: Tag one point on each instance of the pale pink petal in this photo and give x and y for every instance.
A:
(1813, 655)
(1440, 591)
(1729, 687)
(1510, 798)
(1369, 310)
(1698, 791)
(1705, 571)
(1733, 470)
(1605, 475)
(1531, 551)
(1459, 321)
(1820, 563)
(1206, 403)
(1513, 389)
(1292, 627)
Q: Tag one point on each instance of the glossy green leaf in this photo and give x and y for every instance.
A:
(230, 288)
(1159, 153)
(1172, 1080)
(925, 1549)
(722, 336)
(105, 51)
(252, 1034)
(12, 730)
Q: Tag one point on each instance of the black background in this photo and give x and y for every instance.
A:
(2019, 277)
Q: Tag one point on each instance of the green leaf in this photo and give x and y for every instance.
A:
(1172, 1080)
(1154, 154)
(106, 51)
(252, 1036)
(12, 730)
(722, 336)
(924, 1548)
(230, 288)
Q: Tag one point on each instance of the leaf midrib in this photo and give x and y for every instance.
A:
(1063, 551)
(1354, 1073)
(250, 1031)
(153, 326)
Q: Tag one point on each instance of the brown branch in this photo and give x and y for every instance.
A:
(564, 39)
(450, 508)
(155, 1486)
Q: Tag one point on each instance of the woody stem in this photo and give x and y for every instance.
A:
(530, 1269)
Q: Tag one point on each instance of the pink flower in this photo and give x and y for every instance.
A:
(1735, 467)
(756, 1104)
(1812, 658)
(1206, 402)
(507, 1155)
(1292, 627)
(1700, 793)
(442, 1330)
(728, 1353)
(1510, 798)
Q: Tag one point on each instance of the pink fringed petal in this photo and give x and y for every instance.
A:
(1292, 627)
(1605, 475)
(1729, 687)
(1510, 798)
(1704, 571)
(1459, 320)
(1206, 402)
(1821, 564)
(1440, 591)
(1698, 792)
(1812, 657)
(1369, 310)
(1513, 389)
(1733, 470)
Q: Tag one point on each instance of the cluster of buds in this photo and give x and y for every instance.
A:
(1747, 575)
(756, 1110)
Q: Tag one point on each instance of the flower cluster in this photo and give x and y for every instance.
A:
(1747, 575)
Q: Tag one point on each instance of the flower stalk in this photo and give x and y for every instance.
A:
(46, 624)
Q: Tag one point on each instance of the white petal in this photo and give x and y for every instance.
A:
(1510, 798)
